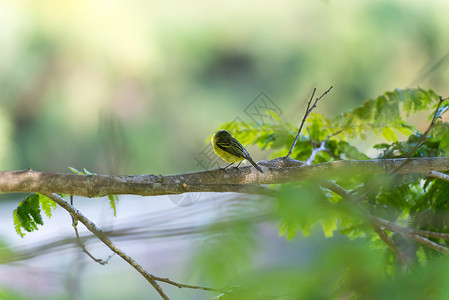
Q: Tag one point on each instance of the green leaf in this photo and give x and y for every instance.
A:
(329, 226)
(86, 172)
(389, 134)
(113, 199)
(47, 205)
(28, 216)
(17, 223)
(75, 171)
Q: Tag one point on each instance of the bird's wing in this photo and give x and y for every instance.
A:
(233, 147)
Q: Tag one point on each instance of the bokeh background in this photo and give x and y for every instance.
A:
(132, 87)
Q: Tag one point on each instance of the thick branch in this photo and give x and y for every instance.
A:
(279, 170)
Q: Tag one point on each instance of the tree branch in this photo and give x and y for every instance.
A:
(77, 215)
(244, 180)
(439, 175)
(390, 243)
(378, 224)
(409, 231)
(416, 234)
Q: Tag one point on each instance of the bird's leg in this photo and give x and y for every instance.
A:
(239, 165)
(225, 168)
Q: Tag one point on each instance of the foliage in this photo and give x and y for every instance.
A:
(27, 215)
(113, 199)
(352, 262)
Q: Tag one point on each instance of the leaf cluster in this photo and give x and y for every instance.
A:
(27, 216)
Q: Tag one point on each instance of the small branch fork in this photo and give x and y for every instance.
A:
(307, 113)
(81, 244)
(380, 225)
(77, 215)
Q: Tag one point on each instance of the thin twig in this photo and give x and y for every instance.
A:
(81, 244)
(439, 175)
(418, 235)
(415, 234)
(105, 239)
(390, 243)
(409, 231)
(423, 137)
(426, 242)
(83, 247)
(302, 123)
(308, 111)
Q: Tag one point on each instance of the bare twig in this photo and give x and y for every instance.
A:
(105, 239)
(100, 235)
(308, 111)
(83, 247)
(80, 243)
(409, 231)
(439, 175)
(415, 234)
(423, 137)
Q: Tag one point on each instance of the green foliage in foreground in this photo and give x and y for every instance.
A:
(27, 215)
(352, 262)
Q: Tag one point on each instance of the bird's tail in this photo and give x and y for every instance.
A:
(254, 164)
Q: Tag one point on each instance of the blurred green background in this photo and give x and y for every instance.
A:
(137, 86)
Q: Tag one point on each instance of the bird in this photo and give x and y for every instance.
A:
(230, 150)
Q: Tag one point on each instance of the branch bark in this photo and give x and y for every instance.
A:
(244, 180)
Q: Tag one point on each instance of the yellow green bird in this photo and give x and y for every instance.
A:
(230, 150)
